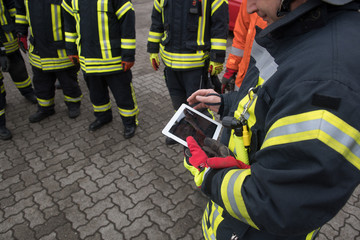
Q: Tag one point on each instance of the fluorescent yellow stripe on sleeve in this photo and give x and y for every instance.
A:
(70, 37)
(218, 44)
(21, 19)
(12, 12)
(320, 125)
(216, 4)
(67, 8)
(232, 198)
(157, 6)
(128, 43)
(155, 37)
(124, 9)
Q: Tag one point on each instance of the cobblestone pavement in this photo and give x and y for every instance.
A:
(60, 181)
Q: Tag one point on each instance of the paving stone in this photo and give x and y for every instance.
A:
(50, 225)
(51, 236)
(118, 218)
(23, 232)
(75, 216)
(134, 230)
(18, 207)
(82, 200)
(34, 216)
(92, 226)
(65, 232)
(109, 232)
(11, 221)
(98, 208)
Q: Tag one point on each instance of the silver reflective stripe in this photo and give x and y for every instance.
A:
(103, 28)
(319, 125)
(231, 195)
(237, 51)
(265, 63)
(57, 27)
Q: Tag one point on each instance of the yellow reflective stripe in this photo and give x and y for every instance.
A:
(321, 125)
(92, 65)
(124, 9)
(196, 57)
(218, 44)
(2, 112)
(70, 37)
(312, 235)
(56, 22)
(232, 198)
(2, 88)
(215, 5)
(155, 37)
(128, 43)
(74, 100)
(157, 6)
(23, 84)
(11, 46)
(45, 102)
(3, 19)
(67, 8)
(12, 12)
(102, 108)
(49, 63)
(133, 112)
(20, 19)
(207, 232)
(202, 22)
(104, 38)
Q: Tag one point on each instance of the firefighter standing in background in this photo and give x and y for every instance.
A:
(299, 107)
(47, 56)
(5, 133)
(17, 69)
(188, 34)
(239, 58)
(103, 34)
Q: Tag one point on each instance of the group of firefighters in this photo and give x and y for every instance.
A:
(290, 158)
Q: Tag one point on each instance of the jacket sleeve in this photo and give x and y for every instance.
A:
(10, 6)
(69, 27)
(156, 29)
(219, 30)
(305, 171)
(239, 40)
(126, 15)
(21, 22)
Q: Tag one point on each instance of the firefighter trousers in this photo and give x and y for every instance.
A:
(19, 73)
(2, 101)
(44, 84)
(182, 83)
(123, 92)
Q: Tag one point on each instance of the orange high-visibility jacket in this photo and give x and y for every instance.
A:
(244, 34)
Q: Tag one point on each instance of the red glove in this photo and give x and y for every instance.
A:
(154, 60)
(127, 65)
(74, 59)
(229, 161)
(199, 159)
(22, 41)
(228, 80)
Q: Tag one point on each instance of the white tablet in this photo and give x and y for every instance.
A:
(190, 122)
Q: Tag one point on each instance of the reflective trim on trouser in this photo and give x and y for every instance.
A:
(71, 99)
(46, 102)
(2, 112)
(44, 84)
(121, 88)
(18, 73)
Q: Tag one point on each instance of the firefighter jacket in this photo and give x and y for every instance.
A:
(47, 38)
(7, 20)
(303, 115)
(187, 31)
(102, 33)
(244, 34)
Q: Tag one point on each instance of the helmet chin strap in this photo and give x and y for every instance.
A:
(284, 8)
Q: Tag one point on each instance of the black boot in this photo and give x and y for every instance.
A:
(73, 111)
(5, 134)
(40, 115)
(98, 124)
(129, 131)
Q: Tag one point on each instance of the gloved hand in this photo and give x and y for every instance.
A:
(154, 60)
(127, 65)
(22, 41)
(228, 80)
(4, 60)
(74, 59)
(195, 161)
(215, 68)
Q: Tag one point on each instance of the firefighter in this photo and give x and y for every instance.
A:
(104, 34)
(5, 133)
(47, 55)
(294, 126)
(17, 68)
(191, 38)
(239, 58)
